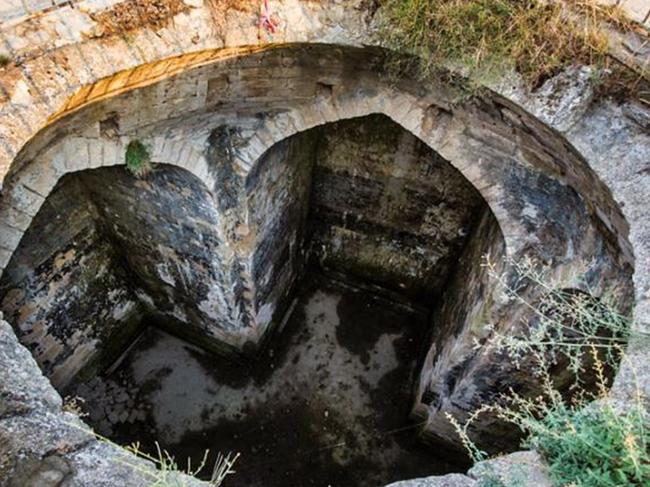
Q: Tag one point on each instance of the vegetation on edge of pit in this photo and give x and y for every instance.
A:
(584, 437)
(137, 158)
(485, 38)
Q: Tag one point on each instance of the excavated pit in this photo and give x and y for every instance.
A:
(314, 305)
(326, 403)
(352, 242)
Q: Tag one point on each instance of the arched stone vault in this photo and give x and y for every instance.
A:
(527, 173)
(459, 133)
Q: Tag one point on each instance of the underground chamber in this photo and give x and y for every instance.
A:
(308, 297)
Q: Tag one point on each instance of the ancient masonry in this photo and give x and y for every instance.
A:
(272, 156)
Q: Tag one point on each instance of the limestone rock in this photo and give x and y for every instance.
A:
(451, 480)
(23, 388)
(519, 468)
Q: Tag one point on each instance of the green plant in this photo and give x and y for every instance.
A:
(4, 60)
(137, 158)
(582, 436)
(486, 38)
(593, 445)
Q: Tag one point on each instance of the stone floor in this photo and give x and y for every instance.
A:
(326, 405)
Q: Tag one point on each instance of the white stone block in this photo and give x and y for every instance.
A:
(9, 237)
(77, 154)
(41, 177)
(5, 256)
(95, 153)
(112, 153)
(26, 200)
(15, 218)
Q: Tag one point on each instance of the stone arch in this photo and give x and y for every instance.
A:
(434, 115)
(23, 196)
(112, 247)
(438, 128)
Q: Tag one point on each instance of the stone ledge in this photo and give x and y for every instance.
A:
(451, 480)
(519, 468)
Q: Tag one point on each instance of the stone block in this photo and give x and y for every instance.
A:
(14, 218)
(9, 237)
(519, 468)
(95, 152)
(451, 480)
(41, 176)
(5, 257)
(26, 441)
(76, 153)
(113, 153)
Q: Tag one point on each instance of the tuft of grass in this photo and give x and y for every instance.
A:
(4, 60)
(137, 158)
(486, 38)
(167, 472)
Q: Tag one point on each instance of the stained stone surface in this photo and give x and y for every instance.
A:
(327, 404)
(362, 197)
(65, 279)
(387, 209)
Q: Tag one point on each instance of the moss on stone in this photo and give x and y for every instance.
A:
(137, 158)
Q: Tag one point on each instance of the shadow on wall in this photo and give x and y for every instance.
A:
(104, 248)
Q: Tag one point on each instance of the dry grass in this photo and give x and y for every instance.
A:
(487, 37)
(134, 14)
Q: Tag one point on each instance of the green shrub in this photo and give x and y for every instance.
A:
(594, 446)
(137, 158)
(4, 60)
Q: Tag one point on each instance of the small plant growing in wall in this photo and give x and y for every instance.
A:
(137, 158)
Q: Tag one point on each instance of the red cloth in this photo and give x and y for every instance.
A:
(266, 20)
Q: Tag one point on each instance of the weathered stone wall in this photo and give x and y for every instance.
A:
(165, 228)
(388, 210)
(64, 290)
(108, 247)
(278, 201)
(60, 72)
(462, 312)
(458, 378)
